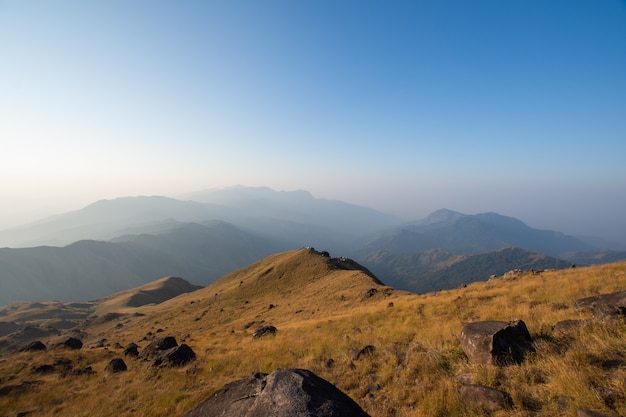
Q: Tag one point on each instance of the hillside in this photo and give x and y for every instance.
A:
(324, 317)
(438, 269)
(22, 321)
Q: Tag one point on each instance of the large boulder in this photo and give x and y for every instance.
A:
(34, 346)
(73, 343)
(605, 306)
(496, 342)
(176, 356)
(283, 393)
(157, 346)
(116, 365)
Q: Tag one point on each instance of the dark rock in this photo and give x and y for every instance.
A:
(18, 388)
(264, 331)
(34, 346)
(176, 356)
(283, 393)
(63, 363)
(73, 343)
(116, 365)
(566, 327)
(496, 342)
(486, 398)
(611, 306)
(605, 306)
(43, 369)
(365, 351)
(131, 350)
(369, 294)
(583, 412)
(157, 346)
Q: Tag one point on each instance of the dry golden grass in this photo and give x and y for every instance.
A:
(320, 315)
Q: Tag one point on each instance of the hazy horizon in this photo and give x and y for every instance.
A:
(517, 108)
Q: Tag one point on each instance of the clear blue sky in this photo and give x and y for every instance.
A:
(517, 107)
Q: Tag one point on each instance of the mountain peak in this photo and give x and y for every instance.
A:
(442, 216)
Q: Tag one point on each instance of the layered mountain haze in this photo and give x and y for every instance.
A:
(293, 216)
(464, 234)
(86, 270)
(127, 242)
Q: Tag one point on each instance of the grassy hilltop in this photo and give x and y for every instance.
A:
(323, 317)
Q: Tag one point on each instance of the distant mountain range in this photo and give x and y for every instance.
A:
(463, 234)
(90, 269)
(112, 245)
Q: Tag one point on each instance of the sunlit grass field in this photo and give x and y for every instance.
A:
(322, 320)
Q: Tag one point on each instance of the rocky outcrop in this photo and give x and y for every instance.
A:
(34, 346)
(116, 365)
(496, 342)
(157, 346)
(131, 350)
(73, 343)
(176, 356)
(264, 331)
(283, 393)
(604, 307)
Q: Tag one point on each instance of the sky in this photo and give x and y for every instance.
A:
(516, 107)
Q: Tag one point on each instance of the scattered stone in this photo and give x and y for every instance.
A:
(100, 343)
(486, 398)
(18, 388)
(64, 363)
(131, 350)
(34, 346)
(264, 331)
(369, 294)
(158, 345)
(283, 393)
(176, 356)
(43, 369)
(496, 342)
(116, 365)
(73, 343)
(566, 327)
(365, 351)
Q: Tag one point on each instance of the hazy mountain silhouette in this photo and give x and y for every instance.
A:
(463, 234)
(90, 269)
(293, 216)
